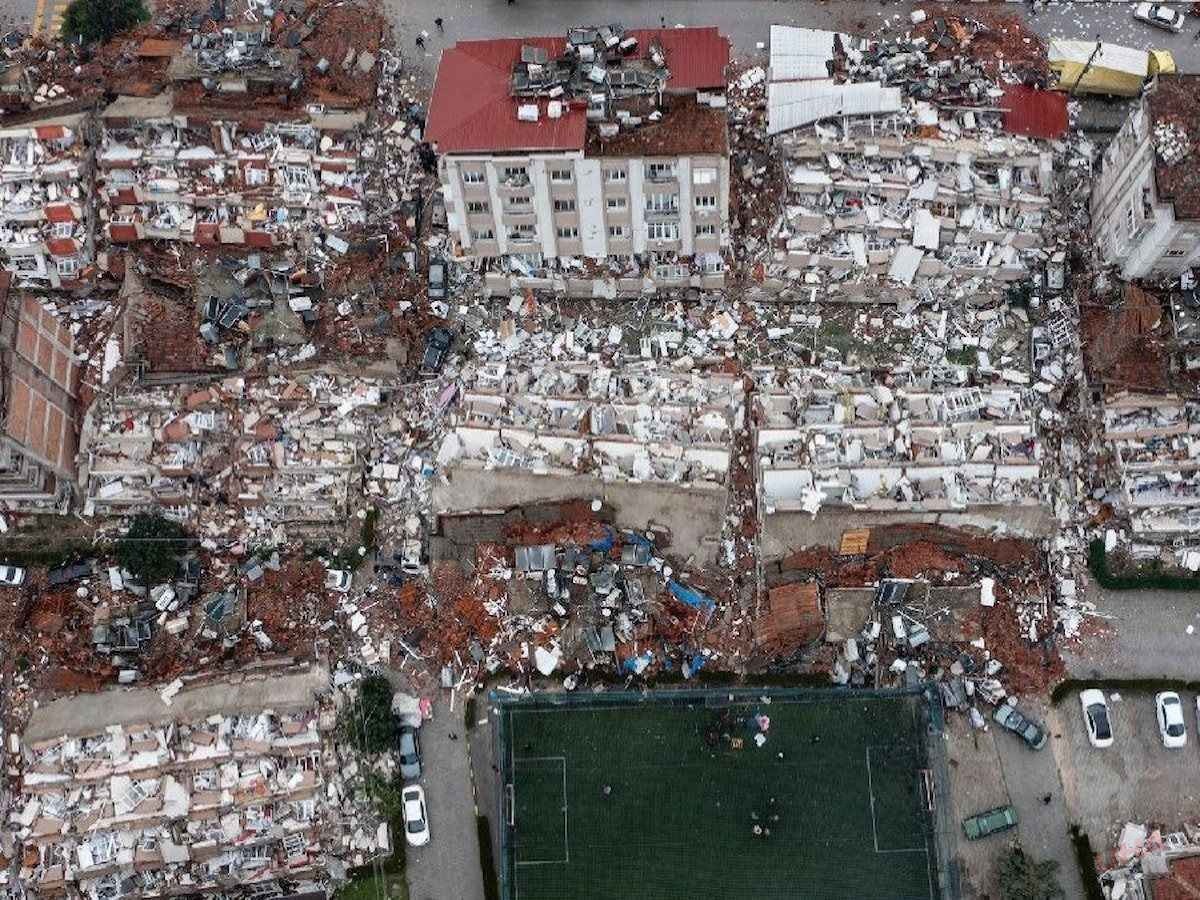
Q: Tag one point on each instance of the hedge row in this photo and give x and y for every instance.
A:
(1144, 578)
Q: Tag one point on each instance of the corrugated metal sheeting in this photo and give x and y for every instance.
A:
(800, 90)
(791, 104)
(801, 52)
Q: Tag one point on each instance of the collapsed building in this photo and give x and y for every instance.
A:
(932, 445)
(210, 178)
(904, 172)
(46, 236)
(208, 790)
(597, 164)
(285, 452)
(1155, 443)
(1146, 201)
(574, 430)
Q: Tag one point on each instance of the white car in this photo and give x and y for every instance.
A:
(416, 821)
(1159, 16)
(1171, 726)
(12, 576)
(1095, 717)
(338, 580)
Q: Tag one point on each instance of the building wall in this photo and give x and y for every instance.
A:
(1131, 228)
(601, 211)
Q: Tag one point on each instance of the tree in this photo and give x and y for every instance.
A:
(367, 722)
(96, 21)
(149, 548)
(1024, 878)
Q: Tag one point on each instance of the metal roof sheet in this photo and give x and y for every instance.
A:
(791, 104)
(801, 52)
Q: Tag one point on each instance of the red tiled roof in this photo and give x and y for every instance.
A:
(122, 232)
(62, 247)
(50, 132)
(260, 239)
(472, 109)
(1040, 114)
(59, 212)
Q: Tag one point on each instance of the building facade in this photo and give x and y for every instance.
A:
(1146, 200)
(598, 165)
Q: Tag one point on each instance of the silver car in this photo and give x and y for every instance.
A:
(1159, 16)
(408, 748)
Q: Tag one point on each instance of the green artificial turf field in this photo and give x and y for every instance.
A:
(653, 800)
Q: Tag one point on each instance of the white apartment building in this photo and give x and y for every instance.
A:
(1146, 200)
(597, 165)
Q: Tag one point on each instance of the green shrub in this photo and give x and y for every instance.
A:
(150, 547)
(366, 723)
(96, 21)
(1147, 577)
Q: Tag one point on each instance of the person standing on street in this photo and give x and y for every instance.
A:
(438, 23)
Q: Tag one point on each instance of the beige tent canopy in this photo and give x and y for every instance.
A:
(1114, 70)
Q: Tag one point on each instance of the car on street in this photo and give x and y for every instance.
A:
(416, 820)
(1171, 727)
(408, 748)
(437, 281)
(982, 824)
(12, 576)
(1014, 720)
(1159, 15)
(1095, 717)
(338, 580)
(437, 348)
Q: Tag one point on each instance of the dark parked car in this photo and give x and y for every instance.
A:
(437, 281)
(437, 348)
(66, 574)
(1030, 731)
(408, 748)
(982, 824)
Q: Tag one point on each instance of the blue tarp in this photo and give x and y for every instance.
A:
(693, 665)
(605, 543)
(636, 664)
(690, 596)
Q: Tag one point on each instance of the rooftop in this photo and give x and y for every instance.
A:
(473, 108)
(1173, 102)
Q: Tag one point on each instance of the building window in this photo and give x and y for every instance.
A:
(568, 234)
(64, 229)
(711, 263)
(706, 230)
(515, 202)
(67, 265)
(615, 175)
(662, 203)
(515, 176)
(670, 271)
(530, 261)
(618, 202)
(25, 263)
(662, 231)
(476, 206)
(560, 174)
(564, 206)
(704, 176)
(522, 233)
(660, 171)
(1175, 254)
(470, 176)
(1131, 218)
(616, 231)
(706, 201)
(482, 234)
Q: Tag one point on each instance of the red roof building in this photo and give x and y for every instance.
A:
(473, 109)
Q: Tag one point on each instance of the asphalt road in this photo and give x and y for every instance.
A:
(1136, 779)
(1148, 637)
(447, 868)
(748, 22)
